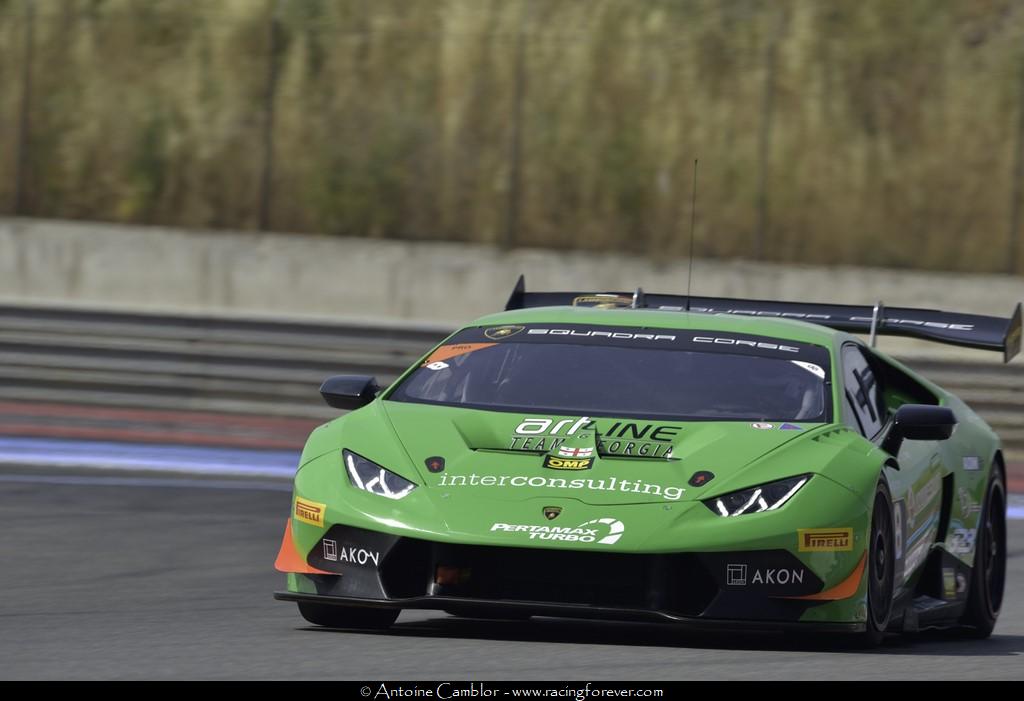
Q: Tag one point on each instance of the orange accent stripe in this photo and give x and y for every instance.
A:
(288, 557)
(455, 349)
(844, 590)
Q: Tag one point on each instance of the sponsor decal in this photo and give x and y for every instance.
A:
(614, 526)
(692, 340)
(435, 463)
(762, 572)
(550, 426)
(617, 438)
(916, 322)
(354, 553)
(918, 501)
(812, 368)
(502, 332)
(828, 317)
(922, 540)
(948, 583)
(968, 507)
(453, 350)
(603, 531)
(762, 426)
(900, 540)
(358, 556)
(604, 484)
(556, 463)
(961, 541)
(310, 512)
(639, 449)
(699, 479)
(825, 540)
(551, 512)
(436, 365)
(972, 463)
(603, 301)
(745, 343)
(621, 335)
(736, 575)
(777, 576)
(790, 427)
(813, 359)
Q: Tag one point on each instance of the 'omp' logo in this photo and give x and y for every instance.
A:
(557, 463)
(310, 512)
(822, 540)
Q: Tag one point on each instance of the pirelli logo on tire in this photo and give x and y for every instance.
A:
(825, 540)
(310, 512)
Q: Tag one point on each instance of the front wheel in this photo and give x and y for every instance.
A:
(880, 568)
(988, 575)
(348, 616)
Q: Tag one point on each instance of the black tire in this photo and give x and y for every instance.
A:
(988, 576)
(880, 568)
(348, 616)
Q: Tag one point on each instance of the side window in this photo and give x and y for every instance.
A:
(862, 394)
(850, 416)
(899, 388)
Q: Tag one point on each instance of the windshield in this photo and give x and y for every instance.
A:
(615, 371)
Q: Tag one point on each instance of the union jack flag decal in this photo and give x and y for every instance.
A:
(575, 452)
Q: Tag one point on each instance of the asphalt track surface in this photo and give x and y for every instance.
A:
(129, 576)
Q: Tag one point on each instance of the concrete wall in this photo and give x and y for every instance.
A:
(148, 268)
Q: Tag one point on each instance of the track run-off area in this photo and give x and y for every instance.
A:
(141, 574)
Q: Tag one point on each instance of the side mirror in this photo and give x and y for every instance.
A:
(349, 391)
(919, 422)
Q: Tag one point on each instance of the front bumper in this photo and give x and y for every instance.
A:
(741, 589)
(672, 561)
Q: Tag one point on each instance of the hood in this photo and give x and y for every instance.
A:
(506, 456)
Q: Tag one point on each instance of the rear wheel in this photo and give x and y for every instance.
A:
(347, 616)
(988, 575)
(880, 568)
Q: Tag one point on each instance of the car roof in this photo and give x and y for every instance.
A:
(787, 329)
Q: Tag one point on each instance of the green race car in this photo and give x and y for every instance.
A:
(708, 462)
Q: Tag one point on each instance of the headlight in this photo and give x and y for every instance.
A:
(371, 477)
(765, 497)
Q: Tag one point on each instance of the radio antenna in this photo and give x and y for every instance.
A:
(693, 216)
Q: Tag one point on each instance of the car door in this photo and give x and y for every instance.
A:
(916, 487)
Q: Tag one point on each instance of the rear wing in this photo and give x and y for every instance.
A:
(968, 330)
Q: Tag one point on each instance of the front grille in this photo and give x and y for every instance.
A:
(676, 583)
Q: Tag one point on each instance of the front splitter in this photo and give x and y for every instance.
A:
(547, 608)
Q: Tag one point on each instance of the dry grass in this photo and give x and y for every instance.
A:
(886, 130)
